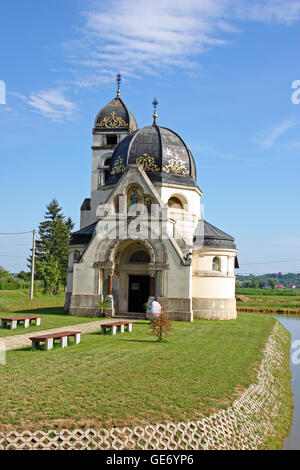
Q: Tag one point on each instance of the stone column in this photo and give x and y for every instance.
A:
(152, 285)
(110, 283)
(110, 290)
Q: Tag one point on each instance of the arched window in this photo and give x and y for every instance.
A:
(106, 169)
(140, 257)
(175, 203)
(216, 264)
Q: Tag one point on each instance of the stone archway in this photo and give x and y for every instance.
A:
(116, 269)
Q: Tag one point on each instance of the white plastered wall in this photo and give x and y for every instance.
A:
(208, 283)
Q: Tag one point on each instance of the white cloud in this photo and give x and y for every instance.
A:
(137, 37)
(52, 104)
(267, 138)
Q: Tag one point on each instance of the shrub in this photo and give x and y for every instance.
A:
(161, 325)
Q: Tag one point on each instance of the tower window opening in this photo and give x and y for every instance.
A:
(106, 170)
(112, 139)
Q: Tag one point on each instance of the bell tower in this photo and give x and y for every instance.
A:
(112, 124)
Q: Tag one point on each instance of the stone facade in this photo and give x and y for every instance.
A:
(142, 232)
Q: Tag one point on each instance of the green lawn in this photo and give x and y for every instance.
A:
(50, 308)
(131, 378)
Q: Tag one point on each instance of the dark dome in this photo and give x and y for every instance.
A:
(115, 115)
(163, 154)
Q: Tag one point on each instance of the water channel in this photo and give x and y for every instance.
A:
(292, 324)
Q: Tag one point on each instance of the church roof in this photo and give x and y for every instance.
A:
(212, 236)
(115, 115)
(162, 153)
(83, 236)
(209, 235)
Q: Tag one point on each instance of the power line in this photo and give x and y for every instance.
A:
(13, 256)
(15, 233)
(271, 262)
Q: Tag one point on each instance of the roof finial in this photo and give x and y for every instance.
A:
(119, 78)
(155, 103)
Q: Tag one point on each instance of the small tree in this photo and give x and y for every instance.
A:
(161, 325)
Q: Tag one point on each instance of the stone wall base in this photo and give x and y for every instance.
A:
(177, 309)
(214, 309)
(83, 305)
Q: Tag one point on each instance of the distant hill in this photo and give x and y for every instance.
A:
(286, 280)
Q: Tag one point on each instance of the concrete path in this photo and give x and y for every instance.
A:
(18, 341)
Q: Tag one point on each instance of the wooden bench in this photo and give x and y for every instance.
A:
(27, 319)
(49, 339)
(114, 326)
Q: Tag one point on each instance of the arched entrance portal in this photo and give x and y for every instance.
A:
(135, 283)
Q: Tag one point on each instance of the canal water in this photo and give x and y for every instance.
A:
(292, 324)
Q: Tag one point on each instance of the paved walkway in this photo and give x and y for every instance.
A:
(17, 341)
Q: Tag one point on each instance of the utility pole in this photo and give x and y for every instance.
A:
(32, 265)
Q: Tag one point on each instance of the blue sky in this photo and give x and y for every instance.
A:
(222, 71)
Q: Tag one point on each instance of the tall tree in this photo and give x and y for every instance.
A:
(52, 248)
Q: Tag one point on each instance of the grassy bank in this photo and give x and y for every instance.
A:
(12, 301)
(50, 308)
(272, 300)
(283, 420)
(131, 378)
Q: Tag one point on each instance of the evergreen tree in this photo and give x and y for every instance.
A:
(52, 248)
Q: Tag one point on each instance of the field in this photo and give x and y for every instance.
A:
(272, 300)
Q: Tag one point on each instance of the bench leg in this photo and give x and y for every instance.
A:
(49, 344)
(13, 325)
(2, 324)
(37, 321)
(64, 341)
(113, 330)
(122, 328)
(26, 323)
(35, 345)
(129, 327)
(77, 338)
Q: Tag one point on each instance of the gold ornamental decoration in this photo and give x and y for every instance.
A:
(175, 165)
(115, 102)
(112, 121)
(132, 127)
(148, 163)
(118, 167)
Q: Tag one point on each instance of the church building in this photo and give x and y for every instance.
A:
(142, 234)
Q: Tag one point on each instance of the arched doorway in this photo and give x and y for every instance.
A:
(139, 284)
(132, 265)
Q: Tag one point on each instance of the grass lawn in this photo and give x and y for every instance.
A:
(50, 308)
(270, 299)
(130, 378)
